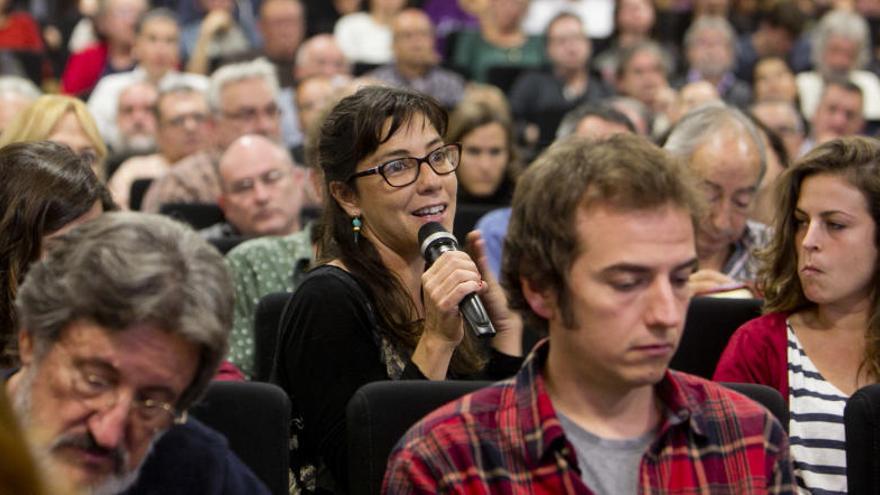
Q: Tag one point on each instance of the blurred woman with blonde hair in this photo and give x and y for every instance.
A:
(64, 120)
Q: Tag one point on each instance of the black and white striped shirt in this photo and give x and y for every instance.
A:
(816, 426)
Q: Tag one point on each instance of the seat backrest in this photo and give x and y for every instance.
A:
(467, 216)
(503, 76)
(255, 418)
(225, 244)
(267, 318)
(139, 188)
(768, 397)
(710, 323)
(380, 413)
(198, 215)
(861, 419)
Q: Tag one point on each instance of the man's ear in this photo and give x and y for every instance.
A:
(541, 300)
(25, 347)
(346, 197)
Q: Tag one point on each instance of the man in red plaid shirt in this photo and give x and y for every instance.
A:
(598, 253)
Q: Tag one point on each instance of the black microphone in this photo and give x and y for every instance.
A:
(434, 241)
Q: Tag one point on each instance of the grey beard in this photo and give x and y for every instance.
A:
(114, 483)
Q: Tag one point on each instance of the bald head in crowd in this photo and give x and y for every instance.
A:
(320, 56)
(262, 190)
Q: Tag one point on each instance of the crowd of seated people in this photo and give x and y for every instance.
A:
(308, 141)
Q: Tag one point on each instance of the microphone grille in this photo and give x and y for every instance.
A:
(428, 230)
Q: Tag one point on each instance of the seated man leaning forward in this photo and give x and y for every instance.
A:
(594, 409)
(122, 327)
(723, 150)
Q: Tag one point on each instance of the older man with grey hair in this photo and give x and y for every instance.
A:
(243, 99)
(710, 50)
(122, 326)
(724, 151)
(841, 50)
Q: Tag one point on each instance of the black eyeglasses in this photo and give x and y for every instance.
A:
(402, 172)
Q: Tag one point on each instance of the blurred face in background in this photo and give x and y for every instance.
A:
(484, 159)
(413, 40)
(184, 125)
(248, 106)
(282, 25)
(774, 81)
(312, 95)
(635, 17)
(710, 53)
(785, 121)
(118, 20)
(839, 114)
(69, 131)
(136, 117)
(262, 190)
(644, 77)
(840, 56)
(320, 56)
(157, 47)
(507, 15)
(567, 45)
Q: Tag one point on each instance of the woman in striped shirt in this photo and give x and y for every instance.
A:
(819, 340)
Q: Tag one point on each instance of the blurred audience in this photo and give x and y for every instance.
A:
(710, 50)
(183, 128)
(779, 25)
(115, 20)
(243, 100)
(774, 81)
(841, 49)
(136, 119)
(541, 98)
(643, 74)
(365, 37)
(838, 114)
(783, 118)
(16, 94)
(61, 119)
(415, 63)
(282, 27)
(207, 41)
(156, 53)
(499, 41)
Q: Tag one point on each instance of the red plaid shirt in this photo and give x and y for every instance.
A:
(507, 439)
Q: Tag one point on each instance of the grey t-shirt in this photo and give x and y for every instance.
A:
(607, 466)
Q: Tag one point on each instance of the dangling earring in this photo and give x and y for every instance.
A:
(356, 228)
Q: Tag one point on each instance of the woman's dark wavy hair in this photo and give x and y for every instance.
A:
(857, 160)
(43, 187)
(351, 132)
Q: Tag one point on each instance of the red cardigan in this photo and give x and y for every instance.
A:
(757, 353)
(83, 69)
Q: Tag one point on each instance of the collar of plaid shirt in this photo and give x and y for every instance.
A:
(540, 429)
(506, 438)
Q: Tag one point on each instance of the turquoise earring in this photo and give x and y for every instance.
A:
(356, 228)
